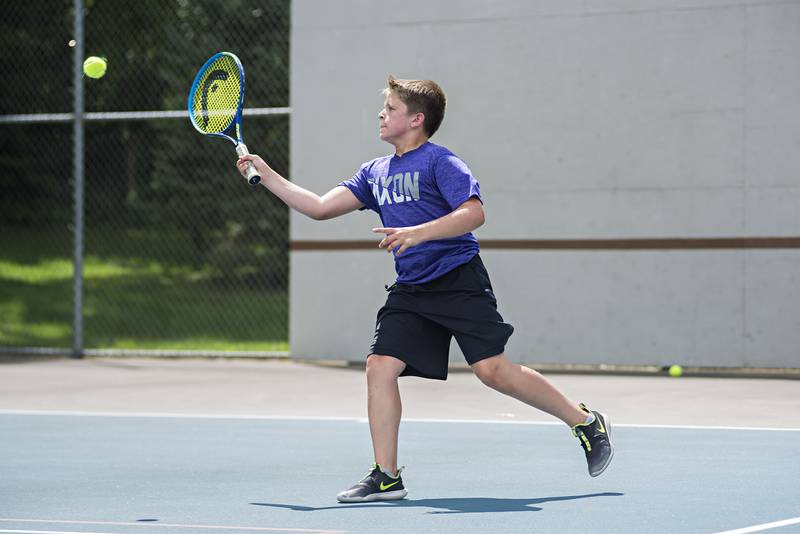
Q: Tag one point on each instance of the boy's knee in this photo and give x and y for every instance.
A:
(490, 371)
(383, 367)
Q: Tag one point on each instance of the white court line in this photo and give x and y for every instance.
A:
(364, 419)
(168, 415)
(764, 526)
(56, 531)
(155, 524)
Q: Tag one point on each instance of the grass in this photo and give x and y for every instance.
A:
(135, 301)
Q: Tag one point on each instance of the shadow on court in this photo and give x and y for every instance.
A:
(466, 505)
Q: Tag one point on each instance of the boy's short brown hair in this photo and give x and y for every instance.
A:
(420, 96)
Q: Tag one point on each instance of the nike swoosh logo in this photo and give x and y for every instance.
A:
(600, 426)
(384, 487)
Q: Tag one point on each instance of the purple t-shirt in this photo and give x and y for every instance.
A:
(421, 185)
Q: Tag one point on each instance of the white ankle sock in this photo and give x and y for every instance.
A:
(389, 474)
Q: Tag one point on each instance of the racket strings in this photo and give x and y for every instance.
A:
(217, 95)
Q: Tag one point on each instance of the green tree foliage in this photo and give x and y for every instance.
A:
(35, 160)
(148, 177)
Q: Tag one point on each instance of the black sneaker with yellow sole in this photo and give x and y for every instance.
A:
(376, 486)
(596, 441)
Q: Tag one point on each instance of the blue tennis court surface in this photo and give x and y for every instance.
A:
(169, 474)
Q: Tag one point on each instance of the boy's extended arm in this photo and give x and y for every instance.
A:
(334, 203)
(465, 218)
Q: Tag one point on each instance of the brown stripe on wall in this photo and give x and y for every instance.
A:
(695, 243)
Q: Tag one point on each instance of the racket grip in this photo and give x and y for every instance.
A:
(253, 178)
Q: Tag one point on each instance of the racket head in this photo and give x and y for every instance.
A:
(216, 98)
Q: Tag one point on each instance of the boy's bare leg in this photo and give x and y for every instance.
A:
(528, 386)
(384, 408)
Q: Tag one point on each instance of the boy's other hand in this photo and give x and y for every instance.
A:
(399, 239)
(261, 166)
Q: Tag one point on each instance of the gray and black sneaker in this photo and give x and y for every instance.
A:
(376, 486)
(595, 440)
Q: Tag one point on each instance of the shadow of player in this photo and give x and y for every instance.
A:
(455, 505)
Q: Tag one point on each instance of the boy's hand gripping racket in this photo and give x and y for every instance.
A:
(216, 100)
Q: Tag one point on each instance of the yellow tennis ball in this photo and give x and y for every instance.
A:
(94, 67)
(675, 370)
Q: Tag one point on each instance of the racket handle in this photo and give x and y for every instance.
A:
(253, 178)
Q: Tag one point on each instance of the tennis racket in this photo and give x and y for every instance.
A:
(216, 100)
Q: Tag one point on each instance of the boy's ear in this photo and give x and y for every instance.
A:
(418, 120)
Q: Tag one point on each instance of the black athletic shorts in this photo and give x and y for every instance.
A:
(418, 321)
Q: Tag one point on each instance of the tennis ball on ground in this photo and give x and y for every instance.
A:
(675, 370)
(94, 67)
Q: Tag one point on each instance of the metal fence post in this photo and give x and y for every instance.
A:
(77, 322)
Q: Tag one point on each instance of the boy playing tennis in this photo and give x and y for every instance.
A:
(429, 203)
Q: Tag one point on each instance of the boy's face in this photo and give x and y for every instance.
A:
(394, 120)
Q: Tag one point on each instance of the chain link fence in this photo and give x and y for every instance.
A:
(178, 252)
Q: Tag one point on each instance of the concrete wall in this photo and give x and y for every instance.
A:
(582, 120)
